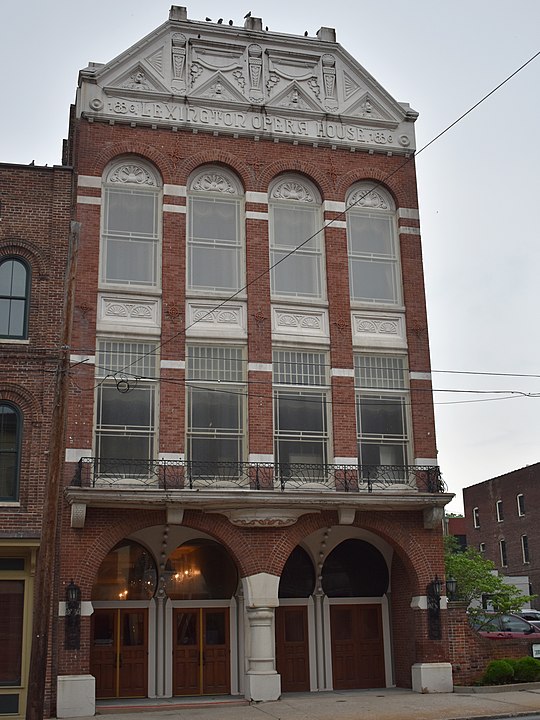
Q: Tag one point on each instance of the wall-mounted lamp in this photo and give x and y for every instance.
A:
(72, 639)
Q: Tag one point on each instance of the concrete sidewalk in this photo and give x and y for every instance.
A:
(386, 704)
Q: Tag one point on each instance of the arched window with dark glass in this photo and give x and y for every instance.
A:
(14, 296)
(355, 568)
(200, 570)
(298, 576)
(128, 572)
(10, 443)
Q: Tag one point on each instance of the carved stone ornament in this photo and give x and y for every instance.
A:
(213, 182)
(310, 322)
(215, 317)
(260, 318)
(366, 198)
(255, 68)
(377, 327)
(137, 81)
(271, 517)
(178, 56)
(292, 190)
(329, 80)
(172, 311)
(128, 310)
(131, 173)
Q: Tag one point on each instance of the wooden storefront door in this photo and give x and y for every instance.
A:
(201, 652)
(292, 648)
(119, 652)
(357, 646)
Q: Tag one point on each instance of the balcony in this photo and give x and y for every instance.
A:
(188, 475)
(255, 494)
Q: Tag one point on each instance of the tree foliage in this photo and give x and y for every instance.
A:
(476, 579)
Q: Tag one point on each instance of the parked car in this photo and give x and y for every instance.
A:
(532, 616)
(495, 625)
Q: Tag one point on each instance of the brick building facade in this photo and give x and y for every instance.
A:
(500, 516)
(35, 214)
(252, 501)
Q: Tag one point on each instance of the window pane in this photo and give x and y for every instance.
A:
(126, 446)
(370, 235)
(374, 454)
(131, 409)
(215, 363)
(214, 219)
(298, 274)
(212, 410)
(16, 318)
(296, 451)
(18, 287)
(131, 211)
(381, 416)
(293, 225)
(214, 450)
(130, 261)
(6, 272)
(9, 439)
(214, 267)
(11, 630)
(379, 371)
(373, 280)
(4, 316)
(301, 413)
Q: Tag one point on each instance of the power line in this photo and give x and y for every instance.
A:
(343, 213)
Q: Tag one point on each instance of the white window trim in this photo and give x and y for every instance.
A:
(502, 544)
(476, 517)
(499, 510)
(520, 513)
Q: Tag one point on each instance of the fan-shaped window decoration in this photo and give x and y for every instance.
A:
(131, 224)
(14, 296)
(200, 570)
(295, 217)
(298, 576)
(355, 568)
(374, 274)
(127, 573)
(215, 252)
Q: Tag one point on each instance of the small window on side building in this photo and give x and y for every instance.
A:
(504, 556)
(525, 549)
(520, 504)
(499, 510)
(476, 517)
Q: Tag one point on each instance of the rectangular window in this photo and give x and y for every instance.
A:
(499, 510)
(125, 407)
(525, 549)
(214, 261)
(130, 236)
(11, 631)
(381, 410)
(299, 274)
(476, 517)
(373, 265)
(300, 412)
(502, 548)
(520, 504)
(216, 390)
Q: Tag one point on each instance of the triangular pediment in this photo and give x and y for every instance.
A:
(293, 98)
(138, 78)
(217, 87)
(214, 65)
(369, 107)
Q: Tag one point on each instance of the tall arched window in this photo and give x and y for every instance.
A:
(10, 444)
(374, 273)
(215, 246)
(295, 217)
(131, 224)
(14, 296)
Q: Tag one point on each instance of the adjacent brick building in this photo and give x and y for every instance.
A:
(500, 516)
(35, 214)
(252, 500)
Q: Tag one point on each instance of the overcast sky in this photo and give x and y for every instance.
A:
(478, 185)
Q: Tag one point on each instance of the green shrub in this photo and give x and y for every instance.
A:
(526, 669)
(498, 672)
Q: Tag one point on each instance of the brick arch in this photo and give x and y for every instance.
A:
(150, 153)
(26, 250)
(23, 399)
(216, 157)
(311, 171)
(391, 184)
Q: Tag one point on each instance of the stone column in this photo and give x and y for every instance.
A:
(261, 682)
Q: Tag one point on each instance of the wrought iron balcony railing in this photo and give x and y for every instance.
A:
(182, 474)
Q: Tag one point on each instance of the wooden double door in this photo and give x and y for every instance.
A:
(119, 652)
(357, 646)
(201, 651)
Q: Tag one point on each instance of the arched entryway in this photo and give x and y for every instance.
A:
(165, 622)
(332, 626)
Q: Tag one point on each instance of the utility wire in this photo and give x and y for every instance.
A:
(343, 213)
